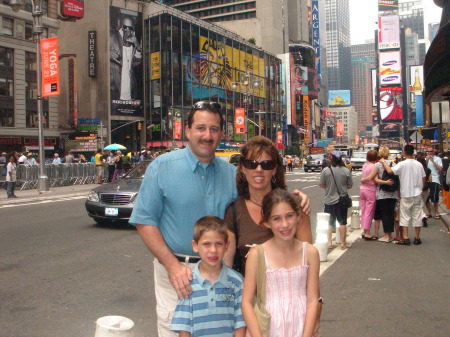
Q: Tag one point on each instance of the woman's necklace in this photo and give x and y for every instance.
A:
(254, 203)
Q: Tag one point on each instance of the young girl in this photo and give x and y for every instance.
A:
(292, 273)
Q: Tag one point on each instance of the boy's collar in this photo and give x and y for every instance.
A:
(202, 280)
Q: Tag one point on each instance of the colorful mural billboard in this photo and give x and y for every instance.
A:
(218, 66)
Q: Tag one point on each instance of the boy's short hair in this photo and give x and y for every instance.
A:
(210, 223)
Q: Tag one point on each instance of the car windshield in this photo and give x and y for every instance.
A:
(139, 171)
(359, 155)
(315, 157)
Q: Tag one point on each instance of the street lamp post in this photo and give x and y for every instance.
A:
(247, 82)
(38, 29)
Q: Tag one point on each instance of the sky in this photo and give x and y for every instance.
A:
(363, 18)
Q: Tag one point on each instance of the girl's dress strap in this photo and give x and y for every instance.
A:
(304, 253)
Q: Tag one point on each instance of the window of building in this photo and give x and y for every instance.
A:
(31, 90)
(8, 26)
(30, 61)
(6, 57)
(6, 87)
(32, 120)
(28, 31)
(6, 117)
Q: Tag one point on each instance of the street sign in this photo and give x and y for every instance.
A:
(416, 137)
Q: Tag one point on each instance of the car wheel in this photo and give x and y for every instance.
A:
(306, 170)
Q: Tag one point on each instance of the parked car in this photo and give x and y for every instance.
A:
(358, 159)
(113, 202)
(230, 157)
(313, 162)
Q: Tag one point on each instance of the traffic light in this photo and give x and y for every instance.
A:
(139, 126)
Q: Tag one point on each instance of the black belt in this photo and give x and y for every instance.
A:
(187, 258)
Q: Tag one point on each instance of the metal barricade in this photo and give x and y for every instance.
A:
(58, 175)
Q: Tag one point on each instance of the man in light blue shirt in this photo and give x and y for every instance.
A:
(178, 189)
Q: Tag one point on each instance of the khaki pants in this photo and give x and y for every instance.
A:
(411, 211)
(166, 299)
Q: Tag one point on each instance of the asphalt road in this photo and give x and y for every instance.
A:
(60, 272)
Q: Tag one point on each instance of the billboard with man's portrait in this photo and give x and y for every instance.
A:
(126, 68)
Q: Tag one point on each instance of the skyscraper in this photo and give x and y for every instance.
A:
(338, 65)
(363, 59)
(411, 16)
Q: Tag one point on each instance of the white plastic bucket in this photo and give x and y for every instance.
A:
(114, 326)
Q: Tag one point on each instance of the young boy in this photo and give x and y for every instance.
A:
(214, 307)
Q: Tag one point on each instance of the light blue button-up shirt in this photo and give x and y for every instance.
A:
(177, 190)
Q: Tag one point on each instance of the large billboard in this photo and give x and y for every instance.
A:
(391, 104)
(390, 68)
(339, 98)
(218, 66)
(125, 55)
(416, 88)
(389, 32)
(387, 5)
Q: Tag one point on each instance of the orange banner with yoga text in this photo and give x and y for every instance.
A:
(50, 67)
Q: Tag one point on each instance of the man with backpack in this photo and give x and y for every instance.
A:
(412, 179)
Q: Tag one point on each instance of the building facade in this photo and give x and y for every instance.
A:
(338, 62)
(136, 79)
(347, 115)
(363, 61)
(18, 79)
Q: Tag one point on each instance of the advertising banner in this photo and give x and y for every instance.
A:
(391, 104)
(299, 79)
(125, 56)
(357, 137)
(313, 85)
(306, 117)
(73, 8)
(389, 130)
(316, 34)
(50, 67)
(387, 5)
(416, 88)
(279, 137)
(239, 120)
(339, 129)
(155, 65)
(389, 32)
(390, 68)
(177, 130)
(339, 98)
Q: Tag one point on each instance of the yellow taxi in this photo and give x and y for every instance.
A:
(231, 157)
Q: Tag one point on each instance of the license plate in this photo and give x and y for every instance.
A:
(111, 211)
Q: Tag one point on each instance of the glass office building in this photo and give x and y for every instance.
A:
(189, 60)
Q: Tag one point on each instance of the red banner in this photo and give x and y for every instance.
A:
(239, 120)
(50, 67)
(74, 8)
(279, 137)
(177, 130)
(339, 129)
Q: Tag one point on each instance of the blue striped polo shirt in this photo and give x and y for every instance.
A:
(211, 309)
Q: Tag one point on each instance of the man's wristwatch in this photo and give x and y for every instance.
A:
(320, 300)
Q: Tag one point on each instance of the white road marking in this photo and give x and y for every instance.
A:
(44, 201)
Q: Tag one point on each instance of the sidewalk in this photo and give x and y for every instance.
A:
(384, 290)
(24, 196)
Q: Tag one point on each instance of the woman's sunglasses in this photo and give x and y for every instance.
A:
(253, 164)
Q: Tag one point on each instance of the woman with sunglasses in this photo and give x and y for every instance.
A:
(259, 171)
